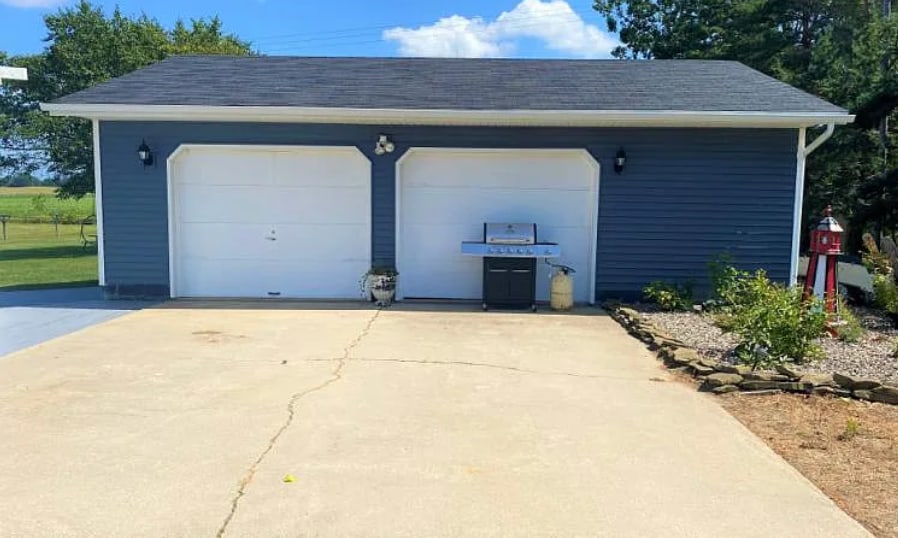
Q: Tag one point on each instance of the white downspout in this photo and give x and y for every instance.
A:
(804, 150)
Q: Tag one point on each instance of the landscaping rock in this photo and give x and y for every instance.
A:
(818, 380)
(795, 386)
(788, 371)
(765, 376)
(866, 384)
(843, 380)
(884, 394)
(863, 395)
(720, 379)
(759, 385)
(683, 355)
(723, 389)
(823, 390)
(700, 369)
(630, 313)
(733, 369)
(855, 383)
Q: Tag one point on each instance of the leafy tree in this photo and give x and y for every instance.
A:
(86, 47)
(843, 50)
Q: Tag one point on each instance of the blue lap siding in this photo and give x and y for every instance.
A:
(685, 195)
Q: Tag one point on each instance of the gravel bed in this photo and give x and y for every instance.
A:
(870, 357)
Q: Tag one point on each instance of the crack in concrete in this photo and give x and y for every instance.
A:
(490, 365)
(335, 376)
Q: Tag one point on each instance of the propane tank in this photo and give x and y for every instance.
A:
(561, 289)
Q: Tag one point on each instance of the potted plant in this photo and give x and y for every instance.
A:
(380, 282)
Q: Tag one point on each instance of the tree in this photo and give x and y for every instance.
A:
(846, 51)
(86, 47)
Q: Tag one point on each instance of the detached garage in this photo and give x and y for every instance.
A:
(281, 177)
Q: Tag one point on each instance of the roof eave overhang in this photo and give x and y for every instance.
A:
(524, 118)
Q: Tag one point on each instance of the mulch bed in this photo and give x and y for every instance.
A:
(871, 357)
(858, 471)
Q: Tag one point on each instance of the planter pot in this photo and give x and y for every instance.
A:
(383, 297)
(383, 288)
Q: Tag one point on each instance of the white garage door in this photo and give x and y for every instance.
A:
(269, 221)
(445, 196)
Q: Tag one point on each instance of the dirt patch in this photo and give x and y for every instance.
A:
(848, 448)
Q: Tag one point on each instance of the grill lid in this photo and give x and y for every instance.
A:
(509, 233)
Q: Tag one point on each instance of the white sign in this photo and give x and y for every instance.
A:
(13, 73)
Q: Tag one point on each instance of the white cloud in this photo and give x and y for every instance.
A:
(551, 22)
(33, 3)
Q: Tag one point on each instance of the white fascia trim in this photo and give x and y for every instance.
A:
(98, 202)
(560, 118)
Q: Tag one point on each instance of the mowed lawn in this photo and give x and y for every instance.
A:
(33, 255)
(41, 203)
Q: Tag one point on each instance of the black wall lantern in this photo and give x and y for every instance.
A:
(620, 160)
(144, 153)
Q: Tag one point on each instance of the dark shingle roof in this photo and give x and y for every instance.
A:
(454, 84)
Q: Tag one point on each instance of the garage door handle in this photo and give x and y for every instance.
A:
(269, 238)
(274, 293)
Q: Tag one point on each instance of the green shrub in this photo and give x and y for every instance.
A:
(774, 323)
(885, 292)
(671, 297)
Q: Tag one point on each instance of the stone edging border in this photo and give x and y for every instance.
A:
(721, 378)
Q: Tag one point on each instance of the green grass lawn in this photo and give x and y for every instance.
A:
(32, 256)
(42, 203)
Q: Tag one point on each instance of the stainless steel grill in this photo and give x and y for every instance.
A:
(509, 251)
(510, 240)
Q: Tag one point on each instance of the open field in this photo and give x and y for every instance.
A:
(33, 256)
(41, 203)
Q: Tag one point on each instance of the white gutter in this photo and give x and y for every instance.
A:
(13, 73)
(561, 118)
(804, 150)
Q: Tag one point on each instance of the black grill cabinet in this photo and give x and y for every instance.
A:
(509, 283)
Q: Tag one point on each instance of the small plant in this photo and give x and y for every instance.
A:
(849, 329)
(852, 428)
(875, 261)
(671, 297)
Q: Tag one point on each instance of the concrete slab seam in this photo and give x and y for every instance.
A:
(335, 376)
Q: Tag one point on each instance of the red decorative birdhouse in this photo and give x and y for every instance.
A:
(826, 238)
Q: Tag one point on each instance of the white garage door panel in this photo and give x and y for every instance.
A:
(261, 278)
(232, 166)
(229, 203)
(446, 195)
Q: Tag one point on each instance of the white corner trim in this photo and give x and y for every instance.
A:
(796, 209)
(594, 211)
(548, 118)
(98, 203)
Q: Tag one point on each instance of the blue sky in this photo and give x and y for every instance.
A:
(482, 28)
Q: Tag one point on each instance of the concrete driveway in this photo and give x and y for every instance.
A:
(181, 421)
(30, 317)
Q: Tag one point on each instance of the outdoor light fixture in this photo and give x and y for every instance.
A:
(384, 145)
(620, 160)
(144, 153)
